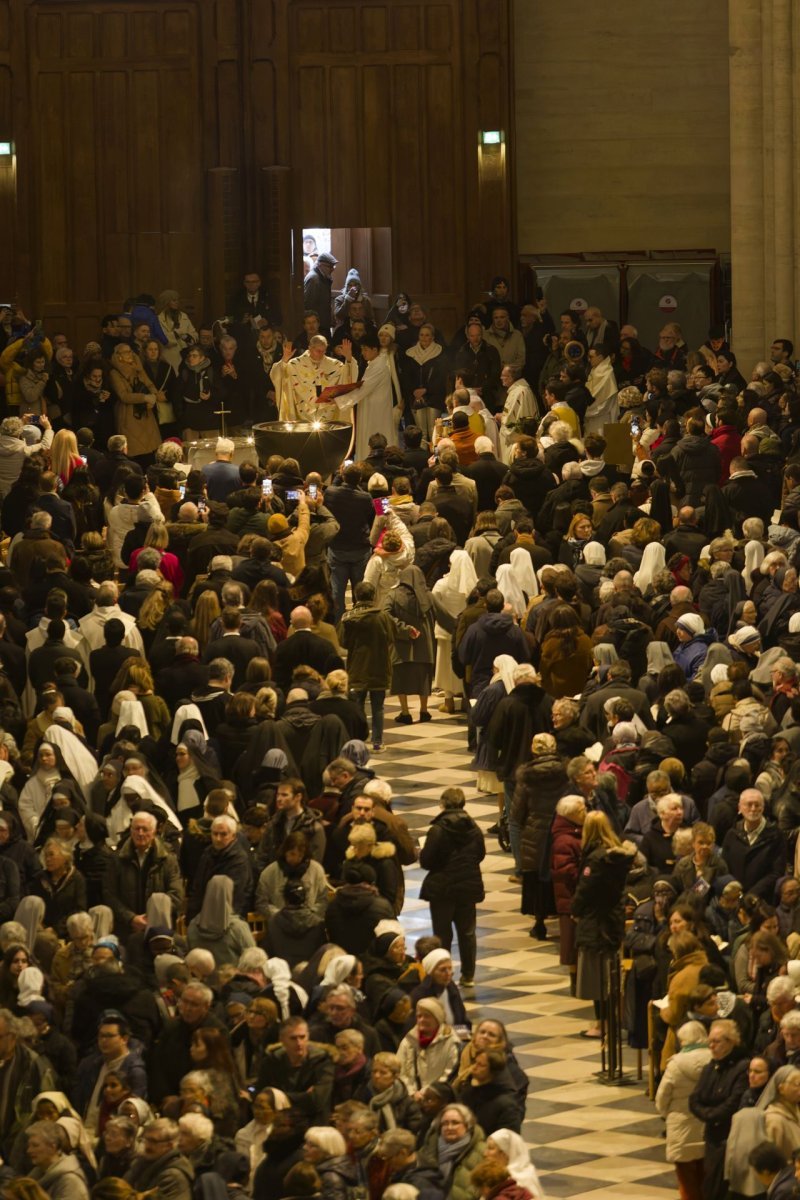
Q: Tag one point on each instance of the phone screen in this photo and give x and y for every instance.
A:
(381, 505)
(266, 487)
(292, 494)
(312, 491)
(182, 490)
(201, 506)
(348, 462)
(83, 459)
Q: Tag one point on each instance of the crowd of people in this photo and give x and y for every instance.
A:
(205, 986)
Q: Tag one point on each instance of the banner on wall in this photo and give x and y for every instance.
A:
(657, 297)
(579, 288)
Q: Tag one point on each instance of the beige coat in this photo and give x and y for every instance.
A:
(140, 428)
(783, 1126)
(684, 1131)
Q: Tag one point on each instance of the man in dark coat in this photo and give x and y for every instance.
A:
(317, 291)
(696, 462)
(142, 866)
(528, 477)
(685, 538)
(355, 910)
(618, 686)
(755, 849)
(452, 854)
(302, 1070)
(496, 632)
(487, 472)
(185, 676)
(171, 1056)
(225, 856)
(303, 648)
(747, 495)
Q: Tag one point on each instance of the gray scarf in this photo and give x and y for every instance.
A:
(382, 1102)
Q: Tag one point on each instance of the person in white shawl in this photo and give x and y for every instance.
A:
(372, 398)
(249, 1139)
(451, 591)
(511, 590)
(653, 561)
(81, 762)
(508, 1149)
(92, 626)
(133, 790)
(299, 381)
(520, 405)
(524, 573)
(602, 384)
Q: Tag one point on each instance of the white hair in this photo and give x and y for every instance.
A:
(326, 1138)
(224, 446)
(483, 445)
(41, 520)
(197, 1125)
(378, 789)
(225, 820)
(560, 432)
(254, 959)
(665, 803)
(690, 1032)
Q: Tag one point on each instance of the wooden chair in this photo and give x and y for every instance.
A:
(258, 925)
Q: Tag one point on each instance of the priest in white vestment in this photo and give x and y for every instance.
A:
(373, 397)
(520, 404)
(602, 383)
(299, 381)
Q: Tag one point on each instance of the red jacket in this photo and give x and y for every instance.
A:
(565, 857)
(728, 441)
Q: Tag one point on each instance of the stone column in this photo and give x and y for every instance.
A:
(763, 35)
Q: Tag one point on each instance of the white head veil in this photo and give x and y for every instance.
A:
(462, 575)
(653, 561)
(131, 712)
(186, 712)
(506, 666)
(79, 758)
(520, 1167)
(524, 572)
(512, 592)
(753, 557)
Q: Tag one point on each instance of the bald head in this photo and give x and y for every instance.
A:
(187, 513)
(301, 617)
(687, 515)
(680, 595)
(756, 416)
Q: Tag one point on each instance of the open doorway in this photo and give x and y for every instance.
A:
(369, 251)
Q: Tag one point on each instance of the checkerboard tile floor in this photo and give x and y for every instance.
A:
(586, 1139)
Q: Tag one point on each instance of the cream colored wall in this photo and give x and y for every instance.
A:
(622, 118)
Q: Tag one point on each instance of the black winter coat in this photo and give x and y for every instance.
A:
(452, 854)
(758, 867)
(598, 903)
(233, 861)
(530, 482)
(538, 786)
(494, 1104)
(522, 713)
(697, 462)
(353, 913)
(718, 1093)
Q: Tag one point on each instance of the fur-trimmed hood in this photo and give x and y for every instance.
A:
(379, 850)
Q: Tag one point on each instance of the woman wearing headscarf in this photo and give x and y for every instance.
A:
(780, 1103)
(55, 1107)
(251, 1137)
(509, 1150)
(438, 983)
(65, 800)
(693, 643)
(216, 927)
(659, 656)
(604, 655)
(35, 796)
(714, 516)
(653, 561)
(718, 654)
(451, 592)
(413, 660)
(754, 554)
(511, 591)
(389, 350)
(195, 773)
(136, 792)
(497, 689)
(80, 761)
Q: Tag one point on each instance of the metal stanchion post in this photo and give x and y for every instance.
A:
(611, 1072)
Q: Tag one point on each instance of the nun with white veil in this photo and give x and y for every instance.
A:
(508, 1150)
(497, 689)
(754, 554)
(524, 572)
(451, 591)
(81, 762)
(653, 560)
(131, 712)
(184, 713)
(135, 788)
(512, 592)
